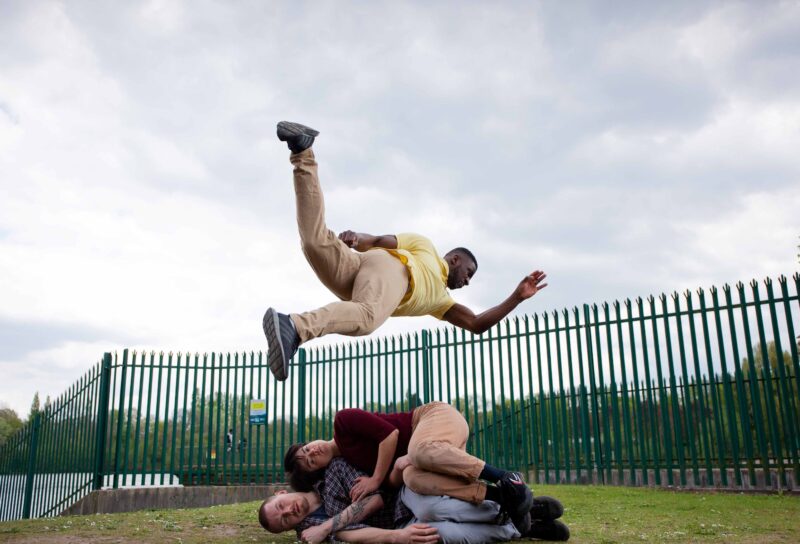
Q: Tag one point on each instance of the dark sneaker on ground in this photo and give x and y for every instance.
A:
(298, 137)
(553, 530)
(517, 497)
(283, 341)
(545, 508)
(522, 523)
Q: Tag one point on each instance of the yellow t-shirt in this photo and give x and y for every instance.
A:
(427, 277)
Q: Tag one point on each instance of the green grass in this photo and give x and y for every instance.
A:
(594, 514)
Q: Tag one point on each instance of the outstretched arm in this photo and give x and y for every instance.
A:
(461, 316)
(355, 513)
(361, 241)
(417, 533)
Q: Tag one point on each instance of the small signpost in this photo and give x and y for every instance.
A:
(258, 412)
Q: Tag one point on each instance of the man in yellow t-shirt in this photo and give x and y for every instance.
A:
(388, 275)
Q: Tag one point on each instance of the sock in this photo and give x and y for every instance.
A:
(491, 474)
(493, 493)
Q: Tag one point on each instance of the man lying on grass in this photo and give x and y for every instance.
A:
(326, 510)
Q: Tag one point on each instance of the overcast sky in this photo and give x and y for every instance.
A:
(625, 148)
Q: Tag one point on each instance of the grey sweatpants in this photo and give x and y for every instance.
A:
(458, 522)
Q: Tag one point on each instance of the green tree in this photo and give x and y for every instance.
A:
(35, 407)
(9, 423)
(772, 354)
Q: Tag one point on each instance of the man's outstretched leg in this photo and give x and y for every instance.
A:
(370, 286)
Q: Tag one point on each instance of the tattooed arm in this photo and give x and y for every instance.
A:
(355, 513)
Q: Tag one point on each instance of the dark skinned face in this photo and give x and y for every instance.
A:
(461, 271)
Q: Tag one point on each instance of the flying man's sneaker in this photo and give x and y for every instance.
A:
(283, 341)
(298, 137)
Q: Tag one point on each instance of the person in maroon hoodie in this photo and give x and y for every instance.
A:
(424, 448)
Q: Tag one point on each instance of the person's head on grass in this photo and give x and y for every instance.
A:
(285, 510)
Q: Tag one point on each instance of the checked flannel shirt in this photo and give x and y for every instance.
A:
(334, 490)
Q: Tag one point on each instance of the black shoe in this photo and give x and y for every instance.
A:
(517, 497)
(298, 137)
(283, 342)
(522, 523)
(552, 530)
(546, 508)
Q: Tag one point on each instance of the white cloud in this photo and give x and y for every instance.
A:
(145, 199)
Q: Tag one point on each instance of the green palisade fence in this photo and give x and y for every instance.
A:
(692, 389)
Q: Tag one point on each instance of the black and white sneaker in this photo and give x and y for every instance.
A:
(517, 497)
(298, 137)
(283, 341)
(546, 508)
(553, 530)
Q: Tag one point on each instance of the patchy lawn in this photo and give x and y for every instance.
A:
(594, 514)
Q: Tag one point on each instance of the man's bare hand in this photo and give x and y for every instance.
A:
(364, 486)
(530, 285)
(349, 237)
(419, 533)
(315, 534)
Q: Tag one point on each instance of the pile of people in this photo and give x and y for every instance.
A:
(405, 477)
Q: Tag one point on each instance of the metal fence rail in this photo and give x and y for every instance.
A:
(694, 383)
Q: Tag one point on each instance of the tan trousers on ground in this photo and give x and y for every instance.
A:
(440, 464)
(370, 285)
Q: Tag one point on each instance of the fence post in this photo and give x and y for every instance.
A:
(26, 507)
(120, 410)
(301, 395)
(426, 361)
(102, 422)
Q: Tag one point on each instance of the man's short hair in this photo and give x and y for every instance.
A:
(262, 514)
(468, 253)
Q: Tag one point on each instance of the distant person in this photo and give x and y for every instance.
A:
(229, 440)
(404, 277)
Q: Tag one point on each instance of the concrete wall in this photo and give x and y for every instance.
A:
(109, 501)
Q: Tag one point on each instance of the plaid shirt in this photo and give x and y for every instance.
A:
(334, 490)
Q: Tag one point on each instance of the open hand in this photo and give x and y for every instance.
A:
(349, 237)
(364, 486)
(419, 533)
(531, 284)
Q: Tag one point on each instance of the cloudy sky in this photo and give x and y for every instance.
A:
(625, 148)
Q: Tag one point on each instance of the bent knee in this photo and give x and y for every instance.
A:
(370, 320)
(412, 478)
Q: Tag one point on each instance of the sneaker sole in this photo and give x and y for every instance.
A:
(277, 365)
(287, 129)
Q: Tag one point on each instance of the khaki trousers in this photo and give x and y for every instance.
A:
(370, 285)
(440, 464)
